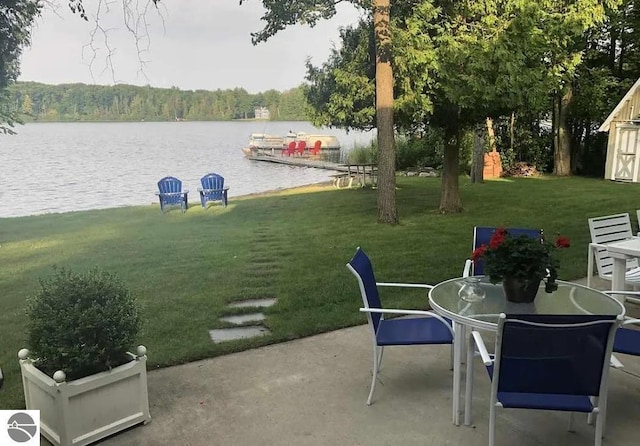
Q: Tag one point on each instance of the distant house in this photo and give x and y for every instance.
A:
(262, 113)
(623, 125)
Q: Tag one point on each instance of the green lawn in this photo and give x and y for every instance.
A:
(292, 245)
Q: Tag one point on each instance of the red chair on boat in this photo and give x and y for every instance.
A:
(315, 150)
(301, 146)
(290, 150)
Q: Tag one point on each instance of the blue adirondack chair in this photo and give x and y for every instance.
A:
(213, 189)
(171, 193)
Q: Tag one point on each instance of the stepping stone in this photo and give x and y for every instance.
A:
(261, 273)
(232, 334)
(265, 302)
(242, 318)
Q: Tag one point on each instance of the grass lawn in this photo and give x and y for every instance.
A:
(292, 245)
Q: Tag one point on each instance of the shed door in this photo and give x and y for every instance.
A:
(625, 166)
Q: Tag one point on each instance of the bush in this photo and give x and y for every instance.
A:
(81, 323)
(424, 151)
(363, 154)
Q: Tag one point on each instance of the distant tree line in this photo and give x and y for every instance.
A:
(80, 102)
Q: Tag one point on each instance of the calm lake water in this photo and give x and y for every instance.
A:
(62, 167)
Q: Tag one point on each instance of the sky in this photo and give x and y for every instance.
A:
(192, 44)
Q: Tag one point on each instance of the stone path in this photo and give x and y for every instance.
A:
(248, 316)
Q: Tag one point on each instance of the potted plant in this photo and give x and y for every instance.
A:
(521, 263)
(78, 372)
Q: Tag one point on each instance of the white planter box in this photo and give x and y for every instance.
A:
(83, 411)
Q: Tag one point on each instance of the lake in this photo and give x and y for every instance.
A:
(62, 167)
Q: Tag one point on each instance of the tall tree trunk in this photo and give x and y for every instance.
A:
(562, 137)
(387, 210)
(613, 40)
(512, 131)
(477, 167)
(492, 135)
(450, 194)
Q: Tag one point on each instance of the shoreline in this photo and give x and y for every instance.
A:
(318, 186)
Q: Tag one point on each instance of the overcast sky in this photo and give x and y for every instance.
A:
(203, 44)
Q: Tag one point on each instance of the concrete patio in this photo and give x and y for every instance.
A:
(312, 391)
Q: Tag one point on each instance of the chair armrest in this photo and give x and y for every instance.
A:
(604, 245)
(466, 272)
(625, 292)
(631, 321)
(409, 312)
(615, 363)
(626, 295)
(482, 348)
(593, 245)
(213, 190)
(184, 192)
(405, 285)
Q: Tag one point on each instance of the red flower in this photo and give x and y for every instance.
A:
(478, 252)
(563, 242)
(497, 238)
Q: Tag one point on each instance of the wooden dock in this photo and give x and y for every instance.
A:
(299, 161)
(360, 173)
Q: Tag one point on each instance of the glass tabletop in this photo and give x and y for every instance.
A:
(569, 298)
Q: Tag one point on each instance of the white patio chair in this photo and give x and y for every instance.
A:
(608, 229)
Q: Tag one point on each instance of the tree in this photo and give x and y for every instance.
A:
(281, 14)
(459, 64)
(16, 17)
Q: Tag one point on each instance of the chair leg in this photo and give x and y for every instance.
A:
(590, 266)
(457, 360)
(468, 395)
(602, 412)
(592, 415)
(380, 359)
(599, 429)
(571, 417)
(451, 358)
(492, 424)
(375, 374)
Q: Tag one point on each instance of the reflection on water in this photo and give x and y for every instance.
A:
(61, 167)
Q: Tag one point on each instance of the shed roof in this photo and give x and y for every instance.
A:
(607, 122)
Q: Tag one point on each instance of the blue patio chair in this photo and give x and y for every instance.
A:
(171, 193)
(213, 189)
(481, 236)
(627, 340)
(430, 328)
(550, 362)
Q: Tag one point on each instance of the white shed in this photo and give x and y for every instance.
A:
(623, 146)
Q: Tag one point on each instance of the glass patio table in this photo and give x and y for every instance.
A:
(569, 298)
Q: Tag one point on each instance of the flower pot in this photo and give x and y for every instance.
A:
(85, 410)
(520, 290)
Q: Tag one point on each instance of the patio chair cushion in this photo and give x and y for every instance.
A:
(518, 400)
(627, 341)
(411, 331)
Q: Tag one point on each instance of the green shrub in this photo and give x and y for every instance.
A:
(420, 151)
(364, 154)
(81, 323)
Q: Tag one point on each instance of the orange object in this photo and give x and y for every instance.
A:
(492, 165)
